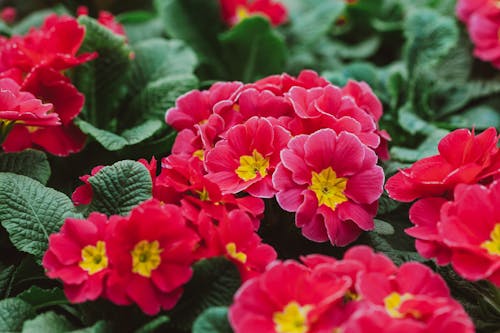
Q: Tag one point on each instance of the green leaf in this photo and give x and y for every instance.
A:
(213, 284)
(48, 322)
(411, 122)
(156, 97)
(154, 325)
(363, 49)
(383, 228)
(99, 327)
(427, 148)
(120, 187)
(312, 19)
(132, 136)
(480, 117)
(252, 49)
(429, 37)
(197, 22)
(6, 276)
(41, 298)
(102, 81)
(30, 212)
(30, 163)
(13, 313)
(140, 25)
(212, 320)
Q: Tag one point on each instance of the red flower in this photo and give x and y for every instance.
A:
(22, 108)
(281, 84)
(106, 19)
(245, 161)
(79, 255)
(49, 85)
(83, 194)
(425, 214)
(465, 8)
(54, 45)
(483, 26)
(463, 158)
(288, 297)
(332, 182)
(415, 295)
(234, 237)
(470, 227)
(196, 106)
(327, 107)
(8, 15)
(152, 251)
(234, 11)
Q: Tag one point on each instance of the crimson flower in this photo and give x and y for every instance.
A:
(152, 251)
(234, 11)
(106, 19)
(22, 108)
(78, 255)
(288, 297)
(470, 227)
(332, 182)
(463, 158)
(50, 85)
(246, 159)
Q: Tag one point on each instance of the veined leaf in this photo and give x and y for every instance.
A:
(212, 320)
(48, 322)
(30, 212)
(30, 163)
(13, 313)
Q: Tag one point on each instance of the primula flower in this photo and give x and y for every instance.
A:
(8, 15)
(465, 8)
(483, 27)
(425, 215)
(281, 84)
(21, 107)
(78, 255)
(152, 251)
(332, 182)
(415, 295)
(235, 238)
(288, 297)
(55, 45)
(234, 11)
(463, 158)
(83, 194)
(49, 85)
(246, 159)
(470, 227)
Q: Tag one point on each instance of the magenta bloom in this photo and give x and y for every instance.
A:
(465, 8)
(246, 159)
(470, 227)
(78, 255)
(21, 107)
(332, 182)
(483, 29)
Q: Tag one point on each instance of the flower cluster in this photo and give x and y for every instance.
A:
(482, 18)
(234, 11)
(364, 292)
(310, 144)
(456, 217)
(32, 70)
(143, 258)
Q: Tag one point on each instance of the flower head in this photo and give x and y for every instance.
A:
(234, 11)
(79, 255)
(332, 182)
(152, 251)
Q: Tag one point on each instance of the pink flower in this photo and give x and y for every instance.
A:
(466, 8)
(79, 256)
(50, 85)
(152, 251)
(22, 108)
(235, 238)
(425, 215)
(8, 15)
(288, 297)
(234, 11)
(83, 194)
(246, 159)
(463, 158)
(470, 227)
(332, 182)
(281, 84)
(483, 27)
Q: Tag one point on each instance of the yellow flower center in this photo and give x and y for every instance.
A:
(351, 296)
(146, 257)
(241, 13)
(199, 154)
(328, 188)
(493, 245)
(252, 165)
(393, 302)
(293, 319)
(203, 195)
(231, 251)
(94, 258)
